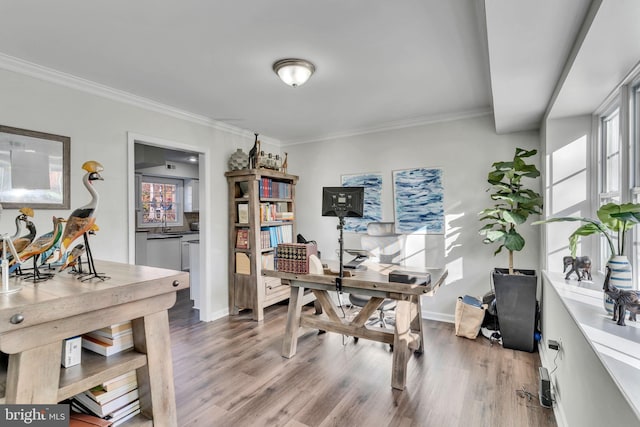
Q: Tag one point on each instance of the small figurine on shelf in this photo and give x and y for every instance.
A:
(254, 154)
(285, 164)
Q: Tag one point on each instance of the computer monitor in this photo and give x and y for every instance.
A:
(343, 201)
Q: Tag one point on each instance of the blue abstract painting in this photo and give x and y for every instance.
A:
(418, 201)
(372, 183)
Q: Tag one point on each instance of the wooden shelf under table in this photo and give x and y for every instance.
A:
(65, 307)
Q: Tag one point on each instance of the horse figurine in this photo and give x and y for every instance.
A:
(623, 300)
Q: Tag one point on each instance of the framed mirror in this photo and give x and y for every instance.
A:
(34, 169)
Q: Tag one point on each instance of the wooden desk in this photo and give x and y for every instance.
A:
(406, 334)
(64, 307)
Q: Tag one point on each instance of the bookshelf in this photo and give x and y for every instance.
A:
(32, 342)
(261, 215)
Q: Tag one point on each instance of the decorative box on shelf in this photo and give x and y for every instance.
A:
(294, 257)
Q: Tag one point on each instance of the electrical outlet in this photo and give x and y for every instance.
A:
(554, 345)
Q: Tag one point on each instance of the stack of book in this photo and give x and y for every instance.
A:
(274, 189)
(109, 340)
(115, 400)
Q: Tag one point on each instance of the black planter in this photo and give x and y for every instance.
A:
(516, 307)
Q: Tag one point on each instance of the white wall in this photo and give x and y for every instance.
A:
(465, 149)
(98, 129)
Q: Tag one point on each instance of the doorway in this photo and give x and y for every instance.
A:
(167, 194)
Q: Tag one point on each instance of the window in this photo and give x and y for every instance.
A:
(610, 170)
(611, 152)
(160, 202)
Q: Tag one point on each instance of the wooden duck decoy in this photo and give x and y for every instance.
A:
(40, 245)
(22, 217)
(44, 242)
(22, 242)
(82, 219)
(72, 259)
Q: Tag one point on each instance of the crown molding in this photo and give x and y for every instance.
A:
(399, 124)
(40, 72)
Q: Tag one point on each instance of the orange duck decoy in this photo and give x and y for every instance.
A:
(72, 259)
(44, 242)
(82, 219)
(40, 245)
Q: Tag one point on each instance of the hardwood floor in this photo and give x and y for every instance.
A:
(230, 373)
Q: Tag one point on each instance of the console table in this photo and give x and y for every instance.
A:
(35, 320)
(407, 332)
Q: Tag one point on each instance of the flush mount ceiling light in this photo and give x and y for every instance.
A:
(294, 72)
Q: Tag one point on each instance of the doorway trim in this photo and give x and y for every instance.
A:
(205, 215)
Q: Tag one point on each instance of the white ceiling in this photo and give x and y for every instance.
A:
(380, 64)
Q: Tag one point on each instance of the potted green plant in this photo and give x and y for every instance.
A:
(612, 218)
(513, 204)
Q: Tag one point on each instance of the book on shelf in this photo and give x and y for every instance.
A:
(243, 213)
(100, 395)
(77, 419)
(116, 329)
(119, 339)
(275, 212)
(242, 238)
(284, 216)
(116, 418)
(274, 189)
(102, 410)
(125, 418)
(243, 265)
(265, 238)
(271, 236)
(125, 410)
(268, 262)
(102, 348)
(119, 381)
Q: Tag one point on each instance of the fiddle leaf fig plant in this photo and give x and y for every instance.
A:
(513, 203)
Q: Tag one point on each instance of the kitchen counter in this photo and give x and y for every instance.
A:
(167, 235)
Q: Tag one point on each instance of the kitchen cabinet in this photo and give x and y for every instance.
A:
(164, 252)
(192, 195)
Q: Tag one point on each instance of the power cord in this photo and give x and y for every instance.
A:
(345, 338)
(525, 394)
(555, 365)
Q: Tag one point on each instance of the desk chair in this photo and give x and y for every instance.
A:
(385, 247)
